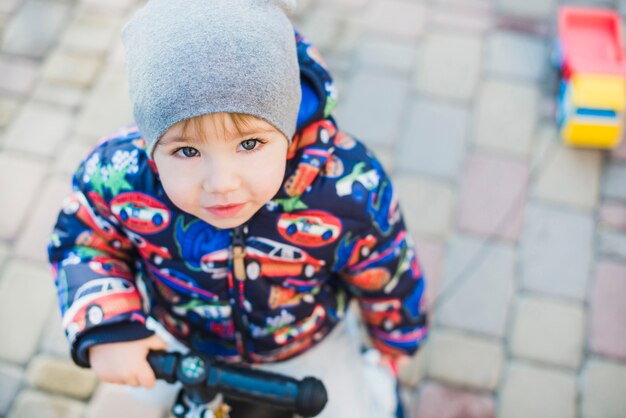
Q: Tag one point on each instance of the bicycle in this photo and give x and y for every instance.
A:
(212, 389)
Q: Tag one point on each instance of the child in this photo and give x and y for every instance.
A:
(235, 215)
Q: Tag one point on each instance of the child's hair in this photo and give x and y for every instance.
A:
(196, 57)
(240, 121)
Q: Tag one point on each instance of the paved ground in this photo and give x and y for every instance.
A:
(522, 239)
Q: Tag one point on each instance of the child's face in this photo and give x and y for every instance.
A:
(221, 174)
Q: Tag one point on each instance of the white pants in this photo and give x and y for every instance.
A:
(356, 385)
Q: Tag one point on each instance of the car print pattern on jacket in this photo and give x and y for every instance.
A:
(333, 233)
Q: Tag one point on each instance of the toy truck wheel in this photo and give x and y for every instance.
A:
(253, 270)
(94, 314)
(309, 271)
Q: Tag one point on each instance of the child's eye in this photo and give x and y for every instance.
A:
(249, 144)
(187, 152)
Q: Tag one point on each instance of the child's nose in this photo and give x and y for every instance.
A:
(221, 177)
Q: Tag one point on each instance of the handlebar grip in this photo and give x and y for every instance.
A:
(311, 397)
(164, 365)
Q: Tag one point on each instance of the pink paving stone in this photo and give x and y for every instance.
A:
(116, 401)
(430, 255)
(18, 75)
(608, 308)
(437, 401)
(620, 152)
(613, 215)
(493, 196)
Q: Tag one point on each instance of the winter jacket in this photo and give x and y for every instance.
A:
(262, 292)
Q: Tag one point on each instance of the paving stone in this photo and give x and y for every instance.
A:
(4, 251)
(108, 107)
(437, 401)
(18, 75)
(465, 360)
(17, 300)
(116, 401)
(373, 107)
(515, 54)
(549, 331)
(20, 180)
(398, 18)
(431, 258)
(474, 16)
(614, 181)
(449, 65)
(8, 107)
(538, 392)
(565, 175)
(613, 215)
(537, 9)
(59, 94)
(90, 34)
(493, 197)
(31, 403)
(35, 28)
(72, 155)
(556, 251)
(604, 385)
(33, 241)
(477, 299)
(607, 336)
(9, 6)
(426, 205)
(434, 140)
(54, 342)
(382, 54)
(11, 381)
(331, 31)
(60, 376)
(612, 244)
(619, 153)
(413, 373)
(65, 67)
(356, 5)
(41, 138)
(505, 116)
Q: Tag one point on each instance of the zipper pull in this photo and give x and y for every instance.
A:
(239, 253)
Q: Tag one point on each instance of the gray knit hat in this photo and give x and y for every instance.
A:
(187, 58)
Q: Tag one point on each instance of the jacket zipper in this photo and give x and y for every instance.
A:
(239, 271)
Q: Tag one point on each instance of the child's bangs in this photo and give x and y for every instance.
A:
(240, 123)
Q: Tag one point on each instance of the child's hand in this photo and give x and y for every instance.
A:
(126, 362)
(395, 363)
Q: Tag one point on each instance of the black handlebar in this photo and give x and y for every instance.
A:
(203, 379)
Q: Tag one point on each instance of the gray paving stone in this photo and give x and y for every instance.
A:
(386, 55)
(426, 205)
(477, 299)
(4, 252)
(17, 300)
(549, 331)
(398, 18)
(346, 5)
(538, 392)
(506, 115)
(614, 181)
(18, 75)
(612, 244)
(607, 337)
(556, 251)
(613, 215)
(331, 31)
(65, 67)
(91, 34)
(108, 7)
(9, 6)
(8, 107)
(59, 94)
(415, 371)
(566, 176)
(604, 385)
(41, 138)
(537, 9)
(449, 66)
(70, 156)
(474, 16)
(54, 342)
(374, 106)
(515, 54)
(31, 403)
(33, 241)
(11, 381)
(108, 107)
(116, 401)
(465, 360)
(35, 28)
(20, 180)
(60, 376)
(434, 140)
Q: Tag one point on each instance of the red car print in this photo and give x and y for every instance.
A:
(140, 212)
(309, 228)
(98, 300)
(303, 328)
(369, 280)
(107, 266)
(101, 206)
(215, 263)
(325, 130)
(344, 141)
(273, 259)
(149, 251)
(362, 249)
(281, 297)
(77, 204)
(334, 168)
(385, 313)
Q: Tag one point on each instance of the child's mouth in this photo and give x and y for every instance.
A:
(225, 211)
